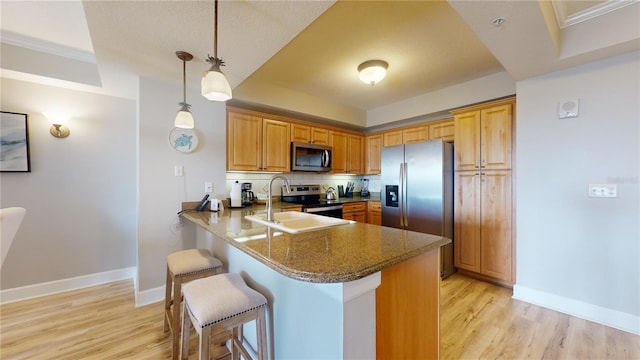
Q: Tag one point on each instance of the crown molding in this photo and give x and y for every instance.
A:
(46, 47)
(565, 20)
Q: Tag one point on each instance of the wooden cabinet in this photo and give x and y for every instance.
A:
(356, 211)
(347, 153)
(483, 137)
(257, 144)
(355, 155)
(338, 143)
(484, 241)
(309, 134)
(374, 213)
(391, 138)
(483, 223)
(444, 130)
(373, 150)
(415, 134)
(425, 131)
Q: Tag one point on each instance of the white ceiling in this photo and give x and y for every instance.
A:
(314, 47)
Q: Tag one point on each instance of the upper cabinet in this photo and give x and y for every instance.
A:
(444, 130)
(309, 134)
(432, 130)
(255, 143)
(483, 136)
(415, 134)
(347, 152)
(392, 137)
(441, 129)
(373, 147)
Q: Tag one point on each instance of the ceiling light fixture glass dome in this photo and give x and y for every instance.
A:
(372, 71)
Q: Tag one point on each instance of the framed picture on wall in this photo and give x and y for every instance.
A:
(14, 142)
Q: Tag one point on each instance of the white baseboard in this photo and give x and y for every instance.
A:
(150, 296)
(57, 286)
(613, 318)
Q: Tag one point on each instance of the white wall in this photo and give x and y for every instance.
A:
(160, 192)
(577, 254)
(482, 89)
(80, 193)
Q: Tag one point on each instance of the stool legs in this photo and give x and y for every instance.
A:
(186, 322)
(167, 299)
(236, 339)
(261, 328)
(172, 311)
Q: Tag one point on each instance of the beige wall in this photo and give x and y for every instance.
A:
(80, 193)
(580, 254)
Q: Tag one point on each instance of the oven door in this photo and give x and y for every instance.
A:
(332, 211)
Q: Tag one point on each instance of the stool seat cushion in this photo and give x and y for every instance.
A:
(191, 261)
(219, 297)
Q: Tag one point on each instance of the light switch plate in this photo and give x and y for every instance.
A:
(603, 190)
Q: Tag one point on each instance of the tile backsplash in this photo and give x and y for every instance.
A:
(260, 182)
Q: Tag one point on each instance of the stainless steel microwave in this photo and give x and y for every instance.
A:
(310, 157)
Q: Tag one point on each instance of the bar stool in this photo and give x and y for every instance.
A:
(220, 303)
(184, 266)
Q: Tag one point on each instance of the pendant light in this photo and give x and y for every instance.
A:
(372, 71)
(215, 86)
(184, 119)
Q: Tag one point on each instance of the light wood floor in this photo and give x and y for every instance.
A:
(478, 320)
(482, 321)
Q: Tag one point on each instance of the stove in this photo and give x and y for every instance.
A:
(309, 196)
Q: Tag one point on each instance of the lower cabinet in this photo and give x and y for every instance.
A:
(356, 211)
(483, 223)
(374, 213)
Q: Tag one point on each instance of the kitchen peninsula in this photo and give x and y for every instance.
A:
(349, 291)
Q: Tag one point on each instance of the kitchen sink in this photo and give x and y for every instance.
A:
(294, 221)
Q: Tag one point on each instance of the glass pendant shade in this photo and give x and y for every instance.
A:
(373, 71)
(184, 118)
(215, 86)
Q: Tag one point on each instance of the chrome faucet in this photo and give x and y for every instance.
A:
(269, 202)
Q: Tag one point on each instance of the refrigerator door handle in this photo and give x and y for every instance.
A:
(401, 194)
(405, 210)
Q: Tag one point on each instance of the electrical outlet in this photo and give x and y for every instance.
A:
(208, 187)
(603, 190)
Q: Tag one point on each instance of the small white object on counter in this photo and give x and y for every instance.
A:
(236, 195)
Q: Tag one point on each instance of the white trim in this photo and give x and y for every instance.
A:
(57, 286)
(609, 317)
(150, 296)
(354, 289)
(47, 47)
(566, 20)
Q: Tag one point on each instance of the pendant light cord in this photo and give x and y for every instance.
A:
(184, 81)
(215, 28)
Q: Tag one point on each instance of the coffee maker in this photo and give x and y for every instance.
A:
(247, 194)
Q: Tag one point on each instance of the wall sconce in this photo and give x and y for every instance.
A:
(58, 121)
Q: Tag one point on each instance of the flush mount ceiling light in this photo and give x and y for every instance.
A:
(184, 118)
(373, 71)
(215, 86)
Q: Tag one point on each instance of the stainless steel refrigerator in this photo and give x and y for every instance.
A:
(417, 191)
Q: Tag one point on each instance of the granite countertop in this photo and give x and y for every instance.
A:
(336, 254)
